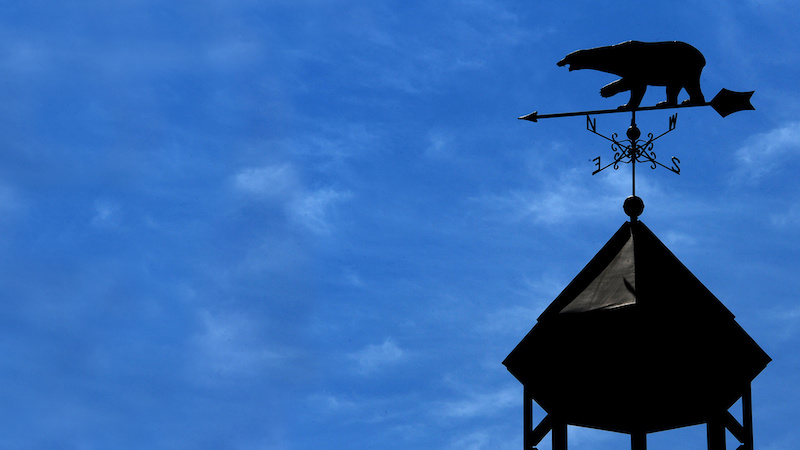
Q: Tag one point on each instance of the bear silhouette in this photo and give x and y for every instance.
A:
(676, 65)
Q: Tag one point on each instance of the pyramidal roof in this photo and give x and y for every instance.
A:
(633, 257)
(636, 343)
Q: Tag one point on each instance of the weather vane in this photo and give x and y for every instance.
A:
(675, 65)
(635, 343)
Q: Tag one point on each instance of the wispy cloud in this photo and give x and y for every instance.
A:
(23, 56)
(401, 409)
(441, 47)
(676, 238)
(106, 214)
(513, 321)
(312, 210)
(267, 182)
(229, 345)
(333, 404)
(334, 142)
(566, 197)
(234, 53)
(440, 145)
(765, 152)
(780, 442)
(378, 356)
(477, 440)
(785, 321)
(11, 201)
(787, 218)
(481, 403)
(352, 278)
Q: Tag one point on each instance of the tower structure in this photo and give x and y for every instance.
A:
(636, 343)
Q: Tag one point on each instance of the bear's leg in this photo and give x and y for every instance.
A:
(695, 94)
(637, 94)
(614, 88)
(672, 96)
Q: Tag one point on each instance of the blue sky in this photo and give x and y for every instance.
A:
(319, 224)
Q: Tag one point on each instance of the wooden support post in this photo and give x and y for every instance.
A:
(559, 436)
(715, 429)
(527, 417)
(532, 436)
(734, 427)
(747, 418)
(639, 441)
(540, 431)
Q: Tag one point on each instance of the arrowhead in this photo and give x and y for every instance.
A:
(532, 116)
(728, 102)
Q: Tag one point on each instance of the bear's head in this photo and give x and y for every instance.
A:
(575, 60)
(564, 62)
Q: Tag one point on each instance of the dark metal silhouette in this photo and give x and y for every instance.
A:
(676, 65)
(636, 344)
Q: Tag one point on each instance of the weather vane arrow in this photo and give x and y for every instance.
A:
(725, 103)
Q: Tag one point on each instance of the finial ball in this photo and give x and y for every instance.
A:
(633, 132)
(633, 206)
